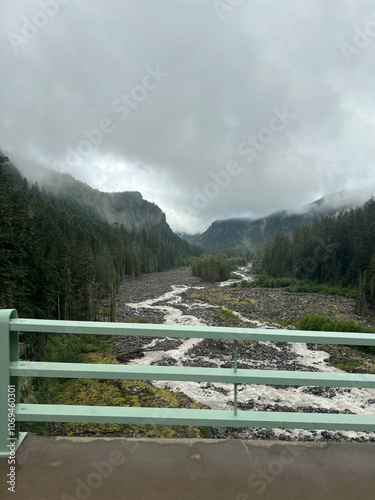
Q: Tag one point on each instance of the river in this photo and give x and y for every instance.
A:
(173, 308)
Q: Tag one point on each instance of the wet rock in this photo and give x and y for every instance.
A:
(324, 392)
(202, 363)
(165, 361)
(253, 304)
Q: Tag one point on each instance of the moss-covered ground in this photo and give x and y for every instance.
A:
(93, 392)
(123, 393)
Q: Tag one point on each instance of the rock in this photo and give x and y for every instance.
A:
(253, 304)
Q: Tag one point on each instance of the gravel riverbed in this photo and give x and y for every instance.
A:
(176, 297)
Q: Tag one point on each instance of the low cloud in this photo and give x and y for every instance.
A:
(79, 96)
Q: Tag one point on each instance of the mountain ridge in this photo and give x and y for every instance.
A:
(127, 208)
(237, 233)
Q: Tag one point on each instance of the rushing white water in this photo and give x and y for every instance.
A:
(242, 273)
(165, 303)
(220, 396)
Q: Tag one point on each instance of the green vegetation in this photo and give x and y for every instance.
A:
(298, 286)
(248, 235)
(233, 276)
(62, 256)
(333, 255)
(225, 317)
(205, 432)
(212, 268)
(216, 267)
(60, 259)
(322, 323)
(111, 393)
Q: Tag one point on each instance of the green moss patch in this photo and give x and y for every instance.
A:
(122, 393)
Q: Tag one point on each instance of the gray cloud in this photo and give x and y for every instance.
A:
(225, 77)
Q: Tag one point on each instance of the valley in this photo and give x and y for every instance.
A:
(113, 257)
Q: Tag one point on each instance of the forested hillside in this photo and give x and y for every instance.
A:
(238, 234)
(125, 208)
(60, 257)
(337, 250)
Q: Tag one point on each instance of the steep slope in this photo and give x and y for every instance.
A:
(190, 238)
(127, 209)
(232, 234)
(237, 233)
(63, 251)
(124, 208)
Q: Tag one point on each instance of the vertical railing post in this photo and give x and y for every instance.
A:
(235, 353)
(8, 352)
(14, 355)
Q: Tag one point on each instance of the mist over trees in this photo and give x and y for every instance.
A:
(60, 259)
(337, 250)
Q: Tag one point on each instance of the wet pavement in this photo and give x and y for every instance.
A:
(50, 468)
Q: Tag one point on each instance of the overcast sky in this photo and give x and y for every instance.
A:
(210, 108)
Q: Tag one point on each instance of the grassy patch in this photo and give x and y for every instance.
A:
(357, 359)
(205, 432)
(225, 317)
(294, 285)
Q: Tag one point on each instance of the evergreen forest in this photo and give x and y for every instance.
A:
(337, 251)
(59, 258)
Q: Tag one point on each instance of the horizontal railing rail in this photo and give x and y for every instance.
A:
(11, 368)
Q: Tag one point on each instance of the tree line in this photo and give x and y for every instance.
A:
(58, 259)
(216, 267)
(334, 250)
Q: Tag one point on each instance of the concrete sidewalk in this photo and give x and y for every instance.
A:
(51, 468)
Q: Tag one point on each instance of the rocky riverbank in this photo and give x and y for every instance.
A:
(277, 306)
(274, 306)
(178, 298)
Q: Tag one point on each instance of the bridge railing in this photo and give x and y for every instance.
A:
(11, 368)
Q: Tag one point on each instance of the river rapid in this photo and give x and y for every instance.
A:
(161, 298)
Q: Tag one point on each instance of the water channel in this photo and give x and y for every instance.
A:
(175, 310)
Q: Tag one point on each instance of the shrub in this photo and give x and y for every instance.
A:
(321, 323)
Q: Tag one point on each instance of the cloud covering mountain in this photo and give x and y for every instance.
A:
(211, 109)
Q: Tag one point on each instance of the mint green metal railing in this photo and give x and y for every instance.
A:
(11, 368)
